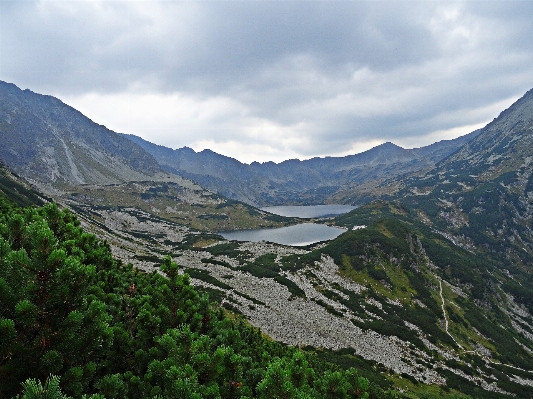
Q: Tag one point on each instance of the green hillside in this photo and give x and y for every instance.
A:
(451, 297)
(14, 188)
(426, 295)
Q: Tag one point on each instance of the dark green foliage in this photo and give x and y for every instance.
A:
(214, 216)
(490, 326)
(328, 308)
(108, 330)
(192, 239)
(263, 266)
(45, 293)
(15, 192)
(291, 286)
(395, 240)
(374, 245)
(33, 389)
(465, 386)
(346, 359)
(229, 249)
(217, 262)
(205, 276)
(297, 262)
(370, 214)
(521, 292)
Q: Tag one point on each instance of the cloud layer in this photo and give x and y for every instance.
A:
(272, 80)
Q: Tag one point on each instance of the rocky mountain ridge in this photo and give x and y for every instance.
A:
(50, 143)
(442, 272)
(53, 145)
(80, 163)
(481, 196)
(295, 182)
(501, 144)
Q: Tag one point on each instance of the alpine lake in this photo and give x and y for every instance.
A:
(297, 235)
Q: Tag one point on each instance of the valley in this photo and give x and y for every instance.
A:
(429, 290)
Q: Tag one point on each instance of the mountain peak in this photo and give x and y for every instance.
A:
(49, 142)
(388, 144)
(501, 146)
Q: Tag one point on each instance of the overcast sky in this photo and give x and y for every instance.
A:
(274, 80)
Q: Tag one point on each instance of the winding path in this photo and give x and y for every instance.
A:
(446, 317)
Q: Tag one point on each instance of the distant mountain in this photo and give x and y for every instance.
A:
(312, 181)
(49, 142)
(95, 171)
(470, 221)
(53, 145)
(504, 145)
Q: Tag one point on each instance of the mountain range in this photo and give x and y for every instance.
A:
(429, 291)
(54, 146)
(295, 182)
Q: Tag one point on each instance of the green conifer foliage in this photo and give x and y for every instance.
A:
(33, 389)
(44, 292)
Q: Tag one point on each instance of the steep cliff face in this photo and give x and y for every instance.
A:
(49, 142)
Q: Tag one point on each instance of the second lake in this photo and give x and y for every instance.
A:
(309, 211)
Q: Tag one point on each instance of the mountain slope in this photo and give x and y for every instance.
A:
(478, 202)
(504, 145)
(463, 305)
(369, 298)
(96, 171)
(312, 181)
(434, 290)
(17, 190)
(482, 196)
(92, 327)
(49, 142)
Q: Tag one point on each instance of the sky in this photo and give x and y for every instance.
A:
(274, 80)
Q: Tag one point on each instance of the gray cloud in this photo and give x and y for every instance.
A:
(283, 79)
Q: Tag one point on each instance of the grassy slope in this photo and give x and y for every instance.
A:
(402, 259)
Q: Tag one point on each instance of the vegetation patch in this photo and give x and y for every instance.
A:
(230, 249)
(205, 276)
(297, 262)
(217, 262)
(292, 286)
(114, 331)
(263, 266)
